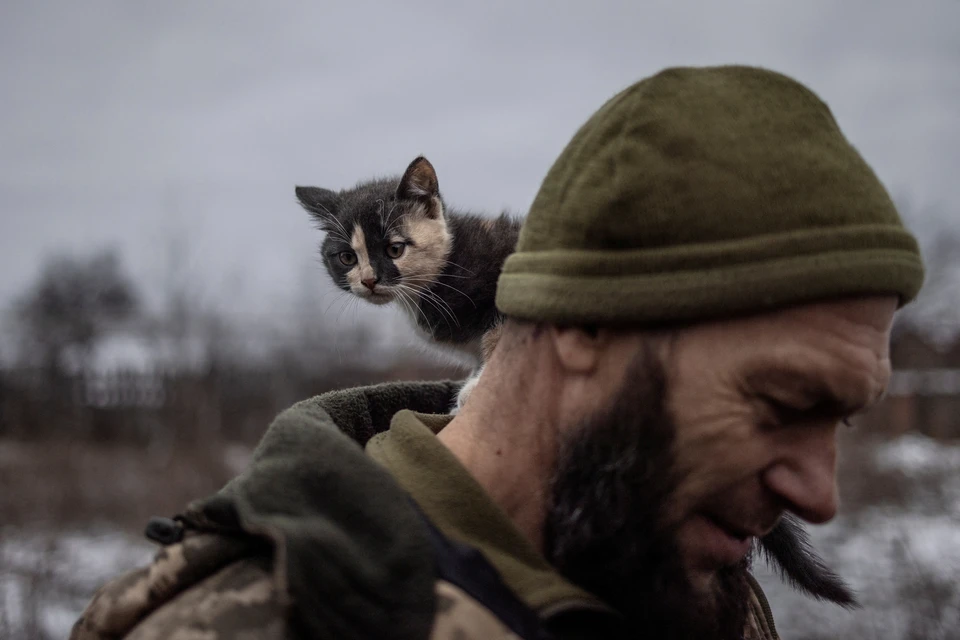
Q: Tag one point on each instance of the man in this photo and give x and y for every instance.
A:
(702, 292)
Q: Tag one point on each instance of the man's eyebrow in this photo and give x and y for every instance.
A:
(802, 391)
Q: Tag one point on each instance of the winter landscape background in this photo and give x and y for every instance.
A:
(161, 298)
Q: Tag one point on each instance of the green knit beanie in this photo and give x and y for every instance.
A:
(699, 193)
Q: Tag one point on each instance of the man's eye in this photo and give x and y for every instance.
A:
(785, 414)
(348, 258)
(396, 249)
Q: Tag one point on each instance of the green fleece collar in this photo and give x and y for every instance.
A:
(461, 509)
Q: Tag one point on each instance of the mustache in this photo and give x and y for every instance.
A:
(788, 551)
(787, 548)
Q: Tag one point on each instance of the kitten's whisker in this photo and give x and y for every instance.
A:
(339, 236)
(354, 299)
(438, 303)
(385, 223)
(416, 311)
(445, 313)
(325, 210)
(343, 230)
(435, 275)
(388, 227)
(402, 302)
(411, 305)
(447, 286)
(396, 222)
(334, 301)
(446, 305)
(352, 305)
(331, 231)
(454, 264)
(402, 299)
(333, 218)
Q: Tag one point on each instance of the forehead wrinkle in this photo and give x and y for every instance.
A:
(813, 393)
(849, 324)
(874, 365)
(817, 384)
(844, 356)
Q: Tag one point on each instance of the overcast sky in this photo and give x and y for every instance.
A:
(139, 124)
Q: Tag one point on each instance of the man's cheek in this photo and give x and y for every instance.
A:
(713, 453)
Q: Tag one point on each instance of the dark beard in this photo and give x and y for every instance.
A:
(601, 531)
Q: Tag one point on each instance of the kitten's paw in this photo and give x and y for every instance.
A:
(466, 390)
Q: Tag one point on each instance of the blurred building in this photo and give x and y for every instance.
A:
(924, 392)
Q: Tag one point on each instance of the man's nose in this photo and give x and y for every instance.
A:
(805, 475)
(370, 283)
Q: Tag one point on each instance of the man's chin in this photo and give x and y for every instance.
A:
(708, 605)
(707, 546)
(708, 586)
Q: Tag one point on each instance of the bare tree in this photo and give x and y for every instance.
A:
(73, 304)
(935, 313)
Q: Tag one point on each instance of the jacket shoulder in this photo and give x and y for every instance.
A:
(461, 617)
(201, 587)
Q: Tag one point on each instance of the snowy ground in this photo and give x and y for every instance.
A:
(904, 563)
(46, 580)
(903, 559)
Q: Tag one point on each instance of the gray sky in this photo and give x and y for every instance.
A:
(139, 124)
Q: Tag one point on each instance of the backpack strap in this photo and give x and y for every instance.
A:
(466, 568)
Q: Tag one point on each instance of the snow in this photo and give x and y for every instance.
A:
(914, 453)
(892, 561)
(48, 577)
(902, 559)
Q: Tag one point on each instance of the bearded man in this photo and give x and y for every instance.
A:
(702, 292)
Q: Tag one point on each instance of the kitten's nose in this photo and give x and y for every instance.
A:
(370, 283)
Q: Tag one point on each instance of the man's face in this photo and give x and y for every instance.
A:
(757, 403)
(614, 478)
(665, 498)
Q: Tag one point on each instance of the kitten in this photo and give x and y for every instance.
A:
(395, 239)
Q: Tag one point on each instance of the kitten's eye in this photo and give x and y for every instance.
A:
(396, 249)
(348, 258)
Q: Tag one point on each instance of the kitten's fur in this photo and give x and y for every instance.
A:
(446, 280)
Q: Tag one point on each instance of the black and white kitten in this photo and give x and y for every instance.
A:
(396, 240)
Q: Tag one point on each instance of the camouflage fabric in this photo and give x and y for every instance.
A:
(172, 599)
(207, 586)
(460, 617)
(239, 601)
(284, 552)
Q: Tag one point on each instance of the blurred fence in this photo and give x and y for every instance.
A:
(239, 404)
(922, 400)
(139, 406)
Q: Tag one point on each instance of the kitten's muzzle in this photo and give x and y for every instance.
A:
(370, 283)
(376, 295)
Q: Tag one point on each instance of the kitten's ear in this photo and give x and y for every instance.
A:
(321, 203)
(419, 181)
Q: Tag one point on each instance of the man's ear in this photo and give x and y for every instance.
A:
(579, 349)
